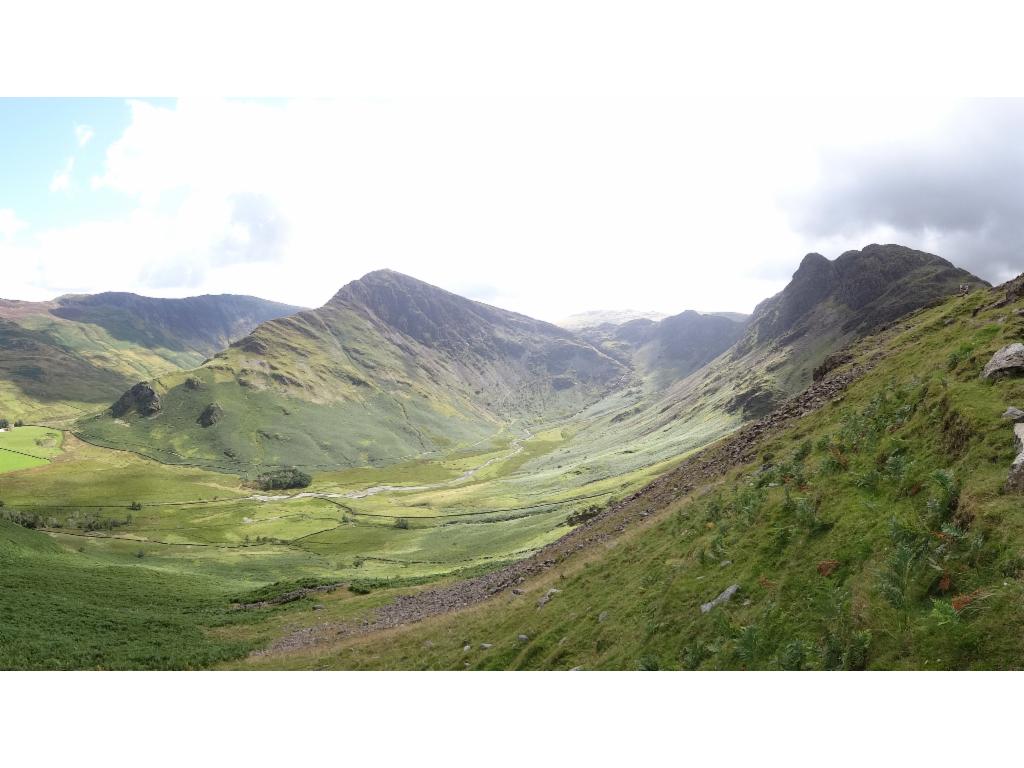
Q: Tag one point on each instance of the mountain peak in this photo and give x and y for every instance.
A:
(872, 285)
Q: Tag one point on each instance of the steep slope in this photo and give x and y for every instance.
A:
(388, 369)
(65, 609)
(866, 525)
(826, 306)
(829, 303)
(76, 353)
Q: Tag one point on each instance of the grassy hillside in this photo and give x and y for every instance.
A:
(390, 369)
(872, 533)
(67, 609)
(76, 354)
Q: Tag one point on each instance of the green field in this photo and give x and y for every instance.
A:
(102, 515)
(25, 447)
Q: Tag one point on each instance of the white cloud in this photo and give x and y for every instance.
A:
(10, 224)
(61, 181)
(541, 200)
(83, 134)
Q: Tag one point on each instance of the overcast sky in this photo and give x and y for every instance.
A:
(620, 193)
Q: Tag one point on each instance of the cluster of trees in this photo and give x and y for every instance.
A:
(280, 479)
(5, 424)
(88, 523)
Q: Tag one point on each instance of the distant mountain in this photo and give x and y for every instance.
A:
(597, 317)
(671, 348)
(827, 305)
(389, 368)
(74, 354)
(737, 317)
(200, 325)
(392, 368)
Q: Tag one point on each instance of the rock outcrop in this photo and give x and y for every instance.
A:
(1008, 360)
(725, 597)
(141, 398)
(210, 415)
(1015, 482)
(1013, 414)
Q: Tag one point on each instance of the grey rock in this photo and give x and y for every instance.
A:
(547, 597)
(725, 597)
(517, 591)
(576, 669)
(465, 649)
(1009, 359)
(1015, 482)
(725, 563)
(318, 607)
(524, 638)
(485, 646)
(1013, 414)
(602, 617)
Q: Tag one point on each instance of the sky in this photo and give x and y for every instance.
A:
(615, 194)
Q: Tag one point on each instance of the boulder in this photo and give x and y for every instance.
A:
(1013, 414)
(725, 597)
(1008, 360)
(1015, 482)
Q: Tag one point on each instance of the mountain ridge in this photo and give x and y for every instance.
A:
(75, 353)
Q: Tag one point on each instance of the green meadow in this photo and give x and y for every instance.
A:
(186, 542)
(25, 447)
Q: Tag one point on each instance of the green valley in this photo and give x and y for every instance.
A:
(479, 475)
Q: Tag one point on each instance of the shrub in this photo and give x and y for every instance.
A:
(402, 523)
(19, 423)
(4, 423)
(135, 506)
(803, 451)
(582, 515)
(24, 519)
(649, 664)
(280, 479)
(942, 506)
(868, 480)
(793, 656)
(962, 353)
